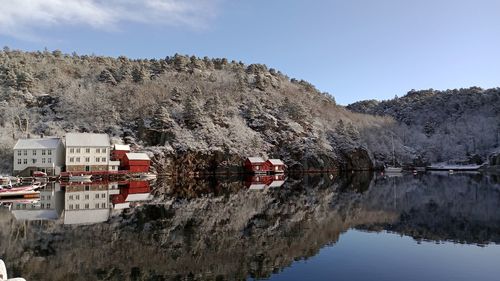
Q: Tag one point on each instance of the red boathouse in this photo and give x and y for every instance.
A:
(136, 162)
(119, 151)
(256, 165)
(276, 165)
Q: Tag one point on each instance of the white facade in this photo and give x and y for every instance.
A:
(40, 154)
(87, 152)
(87, 204)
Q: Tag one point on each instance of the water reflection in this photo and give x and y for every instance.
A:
(75, 203)
(223, 229)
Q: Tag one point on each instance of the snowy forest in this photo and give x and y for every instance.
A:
(461, 125)
(211, 106)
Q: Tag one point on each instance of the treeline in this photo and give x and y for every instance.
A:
(446, 125)
(177, 103)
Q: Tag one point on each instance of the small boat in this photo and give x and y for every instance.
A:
(81, 178)
(39, 174)
(25, 191)
(447, 167)
(390, 169)
(148, 176)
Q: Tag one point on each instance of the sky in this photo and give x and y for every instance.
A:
(352, 49)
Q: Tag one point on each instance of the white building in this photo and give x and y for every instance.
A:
(87, 152)
(38, 154)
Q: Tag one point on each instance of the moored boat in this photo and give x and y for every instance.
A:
(80, 178)
(24, 191)
(448, 167)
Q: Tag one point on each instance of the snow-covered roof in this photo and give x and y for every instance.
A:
(35, 214)
(276, 183)
(257, 186)
(256, 160)
(137, 156)
(86, 216)
(276, 161)
(87, 139)
(122, 147)
(43, 143)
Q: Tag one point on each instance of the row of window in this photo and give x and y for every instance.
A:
(86, 159)
(87, 196)
(86, 206)
(34, 161)
(87, 150)
(45, 206)
(34, 152)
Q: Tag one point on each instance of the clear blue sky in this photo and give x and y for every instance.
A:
(353, 49)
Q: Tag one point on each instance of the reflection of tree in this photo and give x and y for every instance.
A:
(216, 229)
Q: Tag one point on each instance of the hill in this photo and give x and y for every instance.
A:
(192, 114)
(459, 124)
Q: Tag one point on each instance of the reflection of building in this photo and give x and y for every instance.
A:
(48, 207)
(132, 192)
(87, 203)
(257, 182)
(40, 154)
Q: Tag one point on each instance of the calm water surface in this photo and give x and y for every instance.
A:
(324, 227)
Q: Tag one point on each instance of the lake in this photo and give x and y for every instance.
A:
(360, 226)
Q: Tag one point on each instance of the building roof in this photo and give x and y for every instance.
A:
(276, 161)
(87, 139)
(122, 147)
(137, 156)
(90, 216)
(43, 143)
(256, 160)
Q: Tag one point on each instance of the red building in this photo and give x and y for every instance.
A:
(276, 165)
(256, 165)
(119, 151)
(136, 162)
(133, 191)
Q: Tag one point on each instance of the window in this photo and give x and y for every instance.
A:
(103, 205)
(19, 153)
(103, 195)
(49, 160)
(87, 206)
(25, 161)
(97, 205)
(48, 205)
(97, 150)
(104, 159)
(34, 152)
(97, 159)
(43, 160)
(87, 197)
(43, 151)
(72, 159)
(33, 160)
(42, 206)
(77, 206)
(25, 152)
(71, 150)
(77, 197)
(49, 152)
(42, 197)
(71, 206)
(97, 196)
(19, 161)
(78, 159)
(87, 188)
(87, 159)
(71, 197)
(77, 150)
(87, 150)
